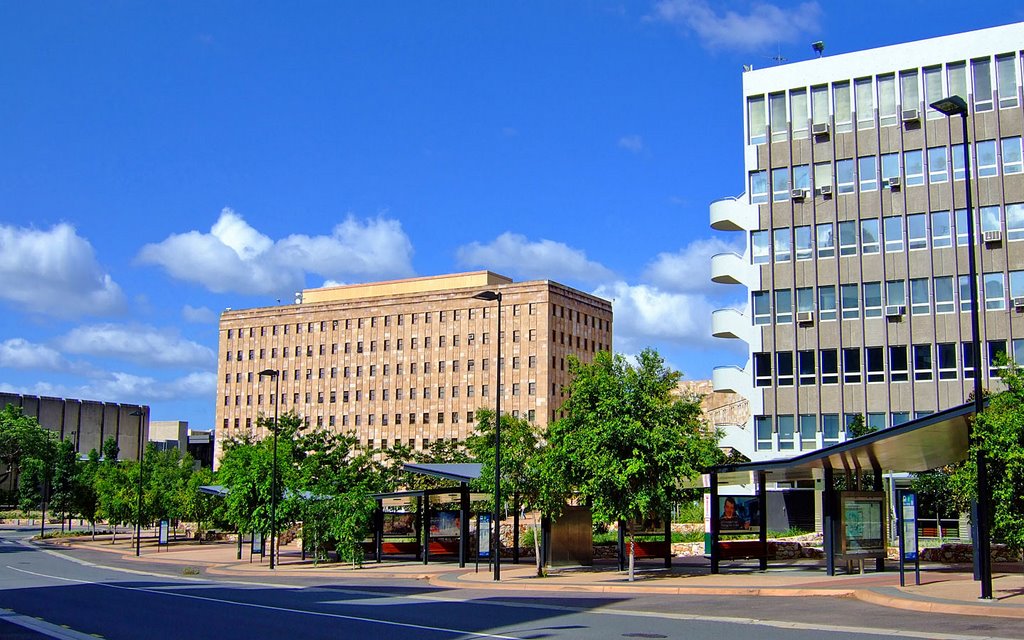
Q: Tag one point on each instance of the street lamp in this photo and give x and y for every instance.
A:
(138, 509)
(957, 106)
(492, 296)
(276, 375)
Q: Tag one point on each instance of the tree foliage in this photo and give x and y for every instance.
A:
(627, 440)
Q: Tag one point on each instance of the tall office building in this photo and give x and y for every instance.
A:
(856, 229)
(406, 361)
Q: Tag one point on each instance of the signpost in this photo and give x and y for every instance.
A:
(257, 546)
(164, 527)
(483, 539)
(906, 525)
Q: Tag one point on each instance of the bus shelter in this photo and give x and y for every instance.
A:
(414, 513)
(853, 520)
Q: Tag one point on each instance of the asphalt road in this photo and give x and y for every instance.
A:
(75, 600)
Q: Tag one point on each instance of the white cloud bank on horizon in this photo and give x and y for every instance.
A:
(124, 387)
(137, 343)
(235, 257)
(689, 269)
(765, 25)
(514, 254)
(55, 273)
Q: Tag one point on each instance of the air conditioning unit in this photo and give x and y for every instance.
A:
(820, 129)
(1018, 303)
(799, 194)
(825, 190)
(895, 183)
(911, 115)
(894, 310)
(992, 236)
(805, 317)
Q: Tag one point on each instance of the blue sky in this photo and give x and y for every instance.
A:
(163, 161)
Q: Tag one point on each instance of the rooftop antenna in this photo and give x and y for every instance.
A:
(819, 47)
(778, 57)
(748, 67)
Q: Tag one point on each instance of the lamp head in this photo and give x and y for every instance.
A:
(490, 296)
(951, 106)
(271, 373)
(818, 47)
(138, 413)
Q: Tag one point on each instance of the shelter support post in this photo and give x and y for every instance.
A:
(463, 524)
(515, 528)
(621, 545)
(876, 485)
(545, 540)
(426, 528)
(714, 523)
(668, 540)
(378, 525)
(419, 526)
(762, 524)
(828, 515)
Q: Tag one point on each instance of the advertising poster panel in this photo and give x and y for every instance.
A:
(445, 524)
(863, 523)
(399, 525)
(739, 515)
(483, 532)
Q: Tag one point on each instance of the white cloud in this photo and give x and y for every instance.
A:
(236, 257)
(633, 143)
(137, 343)
(198, 315)
(645, 315)
(55, 273)
(764, 25)
(18, 353)
(512, 253)
(688, 269)
(126, 387)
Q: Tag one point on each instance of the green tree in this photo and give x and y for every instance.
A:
(86, 497)
(22, 439)
(999, 433)
(65, 473)
(197, 506)
(115, 488)
(627, 440)
(858, 427)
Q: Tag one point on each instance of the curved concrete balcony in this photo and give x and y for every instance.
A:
(733, 214)
(732, 268)
(731, 378)
(730, 323)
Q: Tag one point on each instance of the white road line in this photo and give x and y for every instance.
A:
(43, 627)
(390, 623)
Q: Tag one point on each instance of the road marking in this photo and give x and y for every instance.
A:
(390, 623)
(46, 628)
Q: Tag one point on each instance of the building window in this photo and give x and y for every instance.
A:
(830, 429)
(758, 187)
(780, 184)
(874, 361)
(893, 227)
(783, 306)
(805, 360)
(851, 365)
(872, 299)
(913, 166)
(867, 170)
(808, 432)
(996, 352)
(938, 167)
(1006, 80)
(933, 90)
(944, 302)
(762, 369)
(1012, 160)
(995, 292)
(1016, 284)
(842, 105)
(890, 167)
(844, 176)
(960, 216)
(898, 364)
(786, 433)
(886, 100)
(784, 367)
(783, 241)
(987, 162)
(827, 302)
(756, 120)
(777, 116)
(946, 353)
(909, 90)
(917, 231)
(826, 243)
(762, 306)
(804, 244)
(941, 230)
(763, 430)
(865, 103)
(920, 304)
(798, 112)
(1018, 351)
(967, 358)
(849, 301)
(981, 70)
(848, 238)
(829, 366)
(822, 175)
(760, 250)
(805, 299)
(869, 236)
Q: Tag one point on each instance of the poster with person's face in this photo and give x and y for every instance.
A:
(739, 514)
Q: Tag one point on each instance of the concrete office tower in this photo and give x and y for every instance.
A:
(406, 361)
(855, 227)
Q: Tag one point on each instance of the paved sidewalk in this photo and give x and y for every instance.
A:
(942, 589)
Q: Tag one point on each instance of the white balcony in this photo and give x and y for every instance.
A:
(730, 323)
(732, 268)
(733, 214)
(731, 378)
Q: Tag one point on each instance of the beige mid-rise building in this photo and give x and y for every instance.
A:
(406, 361)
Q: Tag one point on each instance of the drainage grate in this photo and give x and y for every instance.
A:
(643, 635)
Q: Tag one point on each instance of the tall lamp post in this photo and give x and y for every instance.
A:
(276, 375)
(492, 296)
(957, 106)
(138, 508)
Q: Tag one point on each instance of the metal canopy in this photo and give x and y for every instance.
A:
(458, 472)
(932, 441)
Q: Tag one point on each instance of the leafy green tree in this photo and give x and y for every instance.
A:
(86, 496)
(626, 440)
(21, 437)
(196, 506)
(858, 427)
(65, 472)
(999, 433)
(115, 488)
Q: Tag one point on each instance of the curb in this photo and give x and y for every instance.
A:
(930, 606)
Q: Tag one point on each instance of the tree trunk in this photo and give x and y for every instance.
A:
(536, 546)
(632, 554)
(113, 538)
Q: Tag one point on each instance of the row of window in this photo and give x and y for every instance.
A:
(869, 173)
(386, 420)
(938, 294)
(916, 231)
(789, 432)
(386, 369)
(797, 109)
(920, 362)
(385, 394)
(426, 317)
